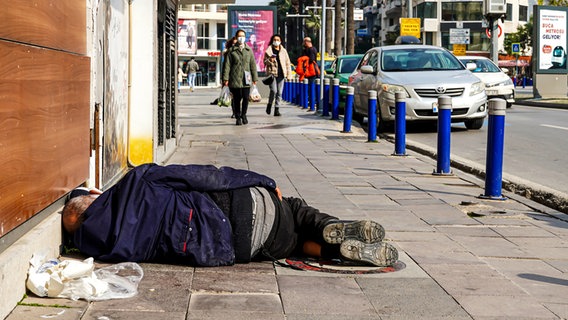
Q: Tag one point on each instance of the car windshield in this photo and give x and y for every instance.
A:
(347, 65)
(419, 59)
(482, 65)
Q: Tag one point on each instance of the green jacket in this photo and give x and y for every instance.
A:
(238, 61)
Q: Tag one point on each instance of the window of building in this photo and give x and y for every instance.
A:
(478, 41)
(221, 30)
(509, 12)
(203, 36)
(426, 10)
(201, 8)
(462, 11)
(523, 13)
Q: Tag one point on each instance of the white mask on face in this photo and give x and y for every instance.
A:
(276, 43)
(241, 40)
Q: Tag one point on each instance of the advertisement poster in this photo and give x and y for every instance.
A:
(187, 36)
(552, 39)
(259, 24)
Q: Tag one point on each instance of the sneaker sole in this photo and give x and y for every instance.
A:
(378, 254)
(365, 230)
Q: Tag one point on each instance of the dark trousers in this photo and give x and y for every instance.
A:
(240, 101)
(296, 222)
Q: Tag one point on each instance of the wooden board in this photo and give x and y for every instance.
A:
(57, 24)
(44, 128)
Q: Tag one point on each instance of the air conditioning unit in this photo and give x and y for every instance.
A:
(495, 7)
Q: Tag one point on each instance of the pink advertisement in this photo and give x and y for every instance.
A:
(259, 25)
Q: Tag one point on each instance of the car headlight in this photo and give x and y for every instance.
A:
(507, 82)
(393, 88)
(477, 88)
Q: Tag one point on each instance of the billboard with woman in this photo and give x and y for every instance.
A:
(259, 23)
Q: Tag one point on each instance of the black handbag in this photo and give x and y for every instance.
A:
(268, 80)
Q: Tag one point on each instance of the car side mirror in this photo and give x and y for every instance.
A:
(368, 69)
(470, 66)
(330, 71)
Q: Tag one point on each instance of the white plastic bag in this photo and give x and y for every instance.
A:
(225, 98)
(254, 94)
(78, 280)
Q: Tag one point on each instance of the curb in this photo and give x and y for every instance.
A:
(540, 194)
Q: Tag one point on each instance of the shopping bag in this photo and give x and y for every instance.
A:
(225, 97)
(254, 94)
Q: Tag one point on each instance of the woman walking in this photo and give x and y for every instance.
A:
(278, 65)
(239, 73)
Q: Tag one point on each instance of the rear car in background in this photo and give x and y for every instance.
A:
(423, 73)
(497, 83)
(341, 68)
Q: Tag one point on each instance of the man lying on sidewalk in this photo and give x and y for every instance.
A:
(206, 216)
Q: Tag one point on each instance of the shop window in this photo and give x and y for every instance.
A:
(509, 16)
(478, 41)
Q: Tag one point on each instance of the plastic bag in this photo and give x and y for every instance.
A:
(225, 98)
(254, 94)
(78, 280)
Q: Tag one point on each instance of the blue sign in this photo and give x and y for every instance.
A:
(516, 47)
(362, 32)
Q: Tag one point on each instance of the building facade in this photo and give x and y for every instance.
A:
(202, 33)
(437, 18)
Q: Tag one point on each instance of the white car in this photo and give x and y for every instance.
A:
(423, 73)
(497, 83)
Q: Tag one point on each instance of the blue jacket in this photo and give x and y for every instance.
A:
(161, 213)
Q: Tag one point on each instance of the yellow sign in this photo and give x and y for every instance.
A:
(410, 27)
(459, 49)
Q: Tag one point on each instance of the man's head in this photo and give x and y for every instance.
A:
(72, 214)
(307, 42)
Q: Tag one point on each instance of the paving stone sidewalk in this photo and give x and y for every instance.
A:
(465, 258)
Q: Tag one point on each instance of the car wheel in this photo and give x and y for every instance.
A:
(474, 124)
(509, 105)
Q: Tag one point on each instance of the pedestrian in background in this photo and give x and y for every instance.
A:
(192, 68)
(181, 74)
(311, 53)
(278, 65)
(239, 73)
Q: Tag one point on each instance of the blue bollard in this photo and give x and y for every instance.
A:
(495, 142)
(312, 95)
(305, 91)
(293, 99)
(300, 93)
(325, 107)
(317, 101)
(335, 101)
(372, 117)
(444, 133)
(524, 82)
(400, 124)
(347, 118)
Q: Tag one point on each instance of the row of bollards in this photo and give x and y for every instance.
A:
(297, 93)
